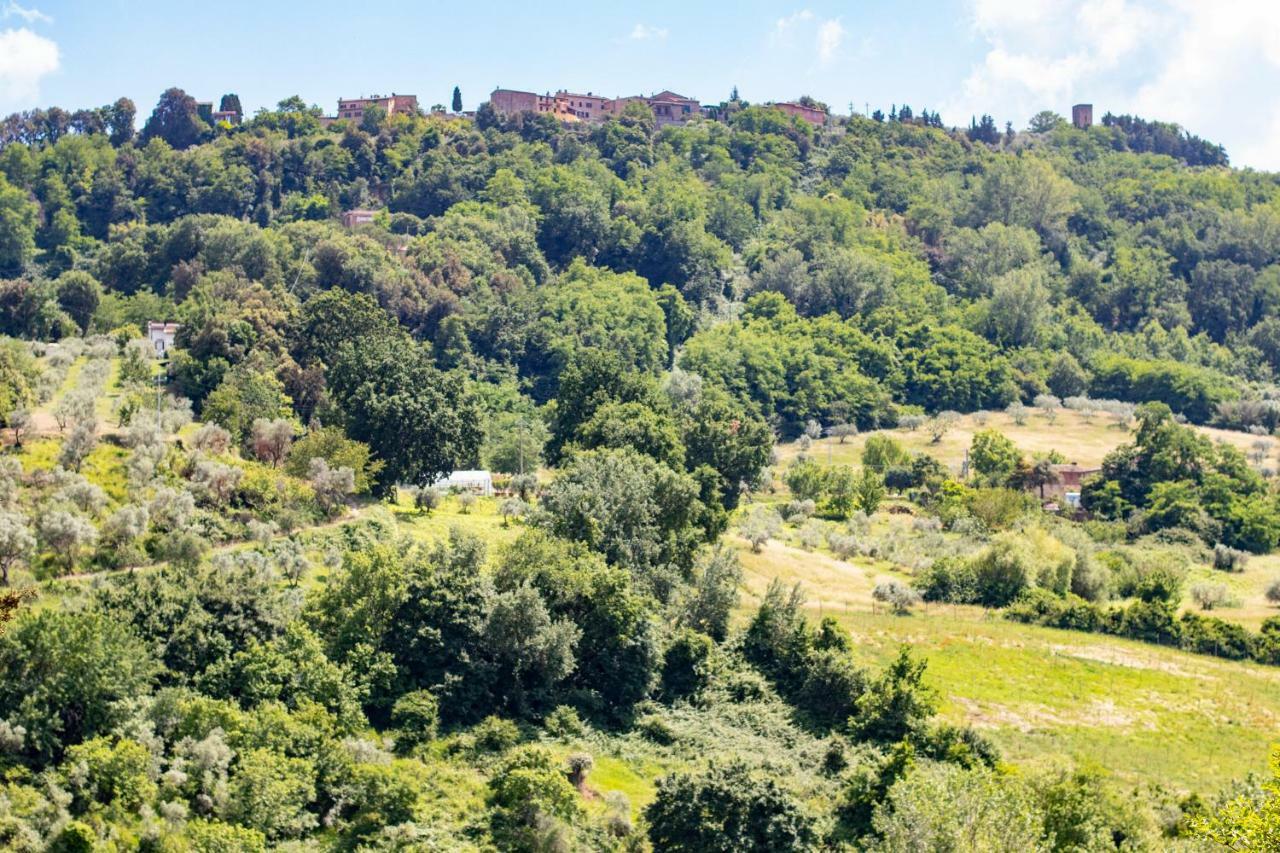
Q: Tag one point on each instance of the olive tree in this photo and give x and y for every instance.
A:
(16, 543)
(65, 532)
(211, 439)
(19, 421)
(78, 445)
(761, 524)
(214, 481)
(332, 485)
(270, 440)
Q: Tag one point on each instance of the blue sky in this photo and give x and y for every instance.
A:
(1212, 66)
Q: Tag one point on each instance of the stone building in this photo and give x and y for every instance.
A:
(1082, 116)
(393, 104)
(813, 115)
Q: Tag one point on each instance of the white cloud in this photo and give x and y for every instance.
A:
(804, 28)
(31, 16)
(784, 26)
(830, 35)
(644, 32)
(1212, 67)
(25, 58)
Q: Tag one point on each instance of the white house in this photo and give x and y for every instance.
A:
(477, 482)
(161, 336)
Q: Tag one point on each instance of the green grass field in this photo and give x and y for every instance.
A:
(1147, 713)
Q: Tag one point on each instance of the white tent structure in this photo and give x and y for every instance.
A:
(477, 482)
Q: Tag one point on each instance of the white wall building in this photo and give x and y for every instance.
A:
(161, 336)
(477, 482)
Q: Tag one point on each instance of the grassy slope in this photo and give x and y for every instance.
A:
(1147, 713)
(1081, 440)
(1078, 439)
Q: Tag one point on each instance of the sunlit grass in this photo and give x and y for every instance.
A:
(1150, 714)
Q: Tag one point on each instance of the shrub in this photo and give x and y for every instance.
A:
(1273, 591)
(727, 807)
(950, 579)
(563, 722)
(415, 715)
(761, 524)
(1210, 595)
(900, 597)
(831, 687)
(811, 535)
(686, 665)
(1229, 559)
(799, 510)
(494, 734)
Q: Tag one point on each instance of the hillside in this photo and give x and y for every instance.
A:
(757, 559)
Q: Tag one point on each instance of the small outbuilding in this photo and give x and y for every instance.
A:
(161, 336)
(476, 482)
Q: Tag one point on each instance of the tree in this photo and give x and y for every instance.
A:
(79, 295)
(727, 808)
(457, 100)
(65, 532)
(331, 445)
(946, 807)
(1045, 121)
(331, 317)
(18, 218)
(882, 452)
(272, 439)
(712, 595)
(993, 457)
(16, 543)
(636, 512)
(19, 420)
(332, 485)
(245, 395)
(868, 490)
(67, 676)
(176, 120)
(896, 704)
(136, 361)
(761, 524)
(420, 422)
(271, 793)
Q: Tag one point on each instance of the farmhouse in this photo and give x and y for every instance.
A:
(161, 336)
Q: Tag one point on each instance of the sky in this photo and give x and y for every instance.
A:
(1212, 66)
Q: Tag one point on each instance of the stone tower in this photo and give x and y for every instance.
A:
(1082, 115)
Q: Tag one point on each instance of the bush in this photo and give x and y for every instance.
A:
(831, 687)
(727, 807)
(1273, 591)
(494, 734)
(563, 722)
(1229, 559)
(1210, 595)
(900, 597)
(415, 715)
(951, 579)
(686, 665)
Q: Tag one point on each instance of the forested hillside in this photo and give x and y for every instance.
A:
(701, 363)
